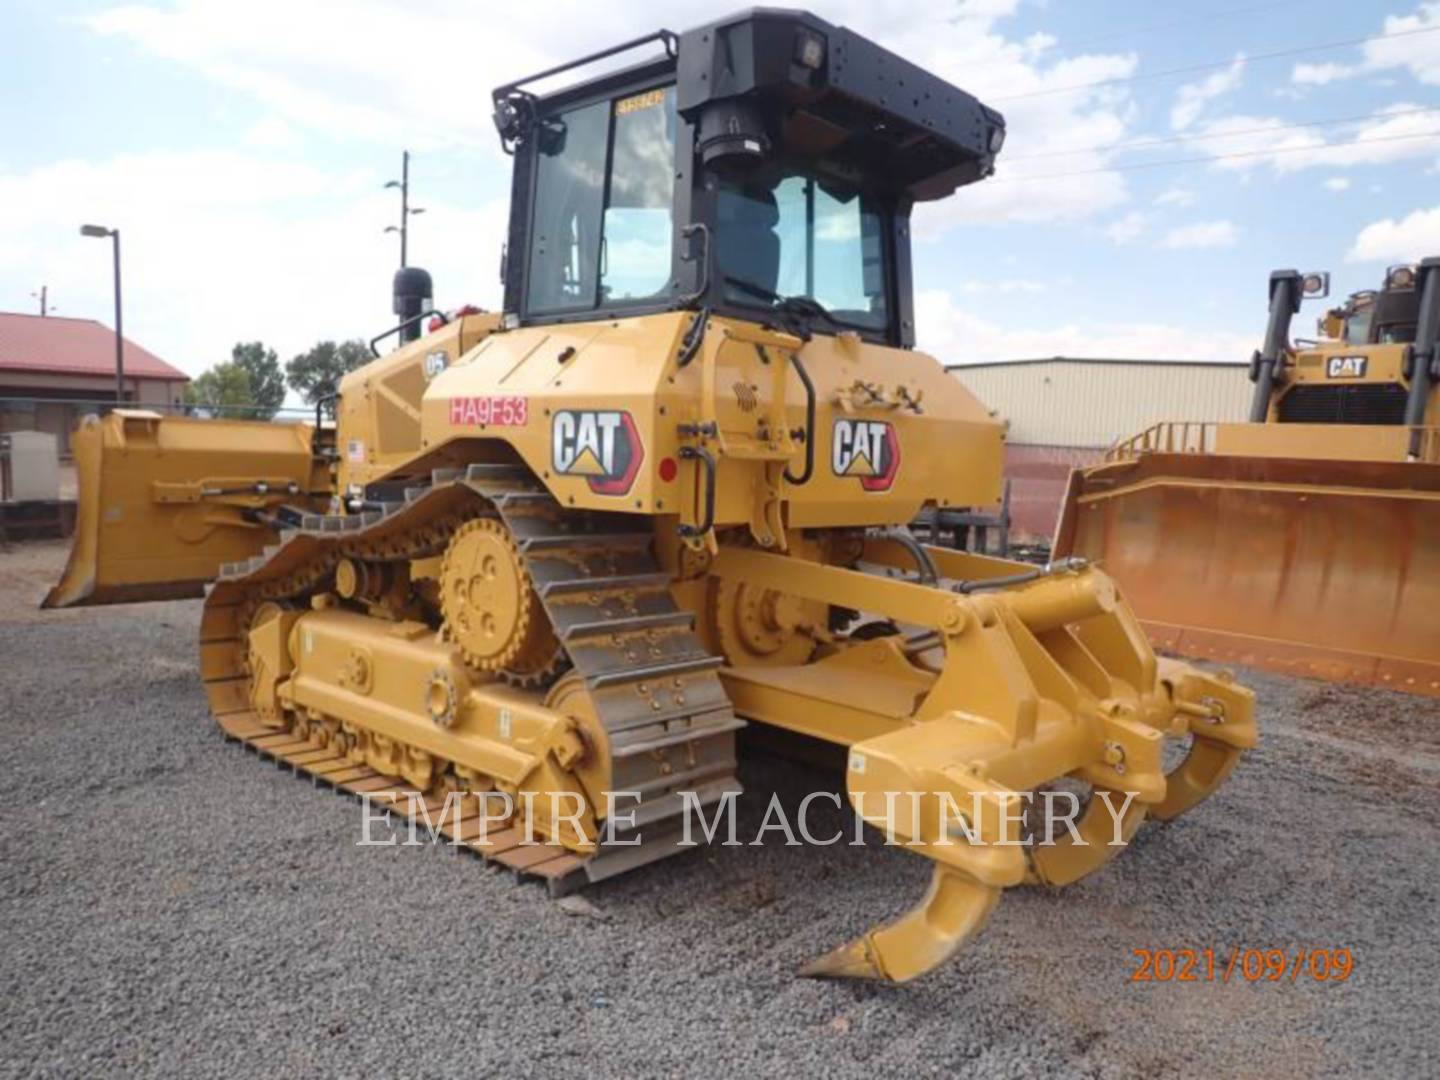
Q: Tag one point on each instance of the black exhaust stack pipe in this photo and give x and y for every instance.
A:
(1425, 357)
(1285, 294)
(413, 295)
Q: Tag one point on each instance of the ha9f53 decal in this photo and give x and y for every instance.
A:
(866, 449)
(601, 445)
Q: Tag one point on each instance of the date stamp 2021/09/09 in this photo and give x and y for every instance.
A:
(1242, 964)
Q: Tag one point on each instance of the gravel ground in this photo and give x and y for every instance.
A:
(173, 904)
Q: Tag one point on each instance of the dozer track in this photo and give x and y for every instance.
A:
(652, 683)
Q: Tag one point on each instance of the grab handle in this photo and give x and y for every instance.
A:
(804, 477)
(707, 466)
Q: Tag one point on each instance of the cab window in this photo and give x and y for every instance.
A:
(596, 243)
(1357, 326)
(792, 235)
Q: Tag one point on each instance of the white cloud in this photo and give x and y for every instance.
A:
(1410, 239)
(1202, 234)
(1402, 49)
(978, 286)
(1175, 197)
(260, 241)
(358, 87)
(1321, 74)
(1338, 183)
(1190, 99)
(221, 246)
(1406, 131)
(1129, 228)
(272, 133)
(1417, 53)
(955, 335)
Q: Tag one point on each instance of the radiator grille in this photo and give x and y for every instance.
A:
(1369, 403)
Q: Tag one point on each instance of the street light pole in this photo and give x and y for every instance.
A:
(114, 235)
(119, 329)
(404, 204)
(405, 211)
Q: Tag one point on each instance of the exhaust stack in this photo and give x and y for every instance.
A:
(413, 295)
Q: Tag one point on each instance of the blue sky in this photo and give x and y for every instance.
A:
(242, 149)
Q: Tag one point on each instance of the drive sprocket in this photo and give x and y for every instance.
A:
(491, 610)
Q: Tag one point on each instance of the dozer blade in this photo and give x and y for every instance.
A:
(164, 501)
(1328, 569)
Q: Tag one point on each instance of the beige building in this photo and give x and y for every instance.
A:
(1064, 413)
(1090, 403)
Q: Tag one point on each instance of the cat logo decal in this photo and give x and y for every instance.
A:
(866, 449)
(601, 445)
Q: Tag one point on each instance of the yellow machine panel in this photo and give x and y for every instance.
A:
(887, 422)
(379, 405)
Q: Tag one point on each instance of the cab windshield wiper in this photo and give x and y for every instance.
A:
(805, 306)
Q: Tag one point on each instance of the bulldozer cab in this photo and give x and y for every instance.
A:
(762, 167)
(1365, 371)
(1386, 317)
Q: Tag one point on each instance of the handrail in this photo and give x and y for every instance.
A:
(1198, 437)
(432, 314)
(1166, 437)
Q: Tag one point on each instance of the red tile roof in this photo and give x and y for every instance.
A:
(59, 346)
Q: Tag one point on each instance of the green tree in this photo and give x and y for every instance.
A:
(315, 374)
(267, 381)
(225, 387)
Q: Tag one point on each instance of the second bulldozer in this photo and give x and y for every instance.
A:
(1308, 539)
(567, 551)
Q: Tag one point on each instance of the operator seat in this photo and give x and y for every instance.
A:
(746, 245)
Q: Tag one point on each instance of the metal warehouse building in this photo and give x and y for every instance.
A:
(1064, 412)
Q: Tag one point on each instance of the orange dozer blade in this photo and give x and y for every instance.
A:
(164, 501)
(1328, 569)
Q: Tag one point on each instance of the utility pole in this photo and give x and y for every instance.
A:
(43, 294)
(406, 210)
(114, 234)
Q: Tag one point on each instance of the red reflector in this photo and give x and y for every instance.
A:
(668, 469)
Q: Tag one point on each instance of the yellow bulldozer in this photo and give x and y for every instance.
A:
(1306, 540)
(547, 563)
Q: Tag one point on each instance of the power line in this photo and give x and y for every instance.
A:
(1208, 16)
(1221, 157)
(1162, 140)
(1211, 16)
(1190, 69)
